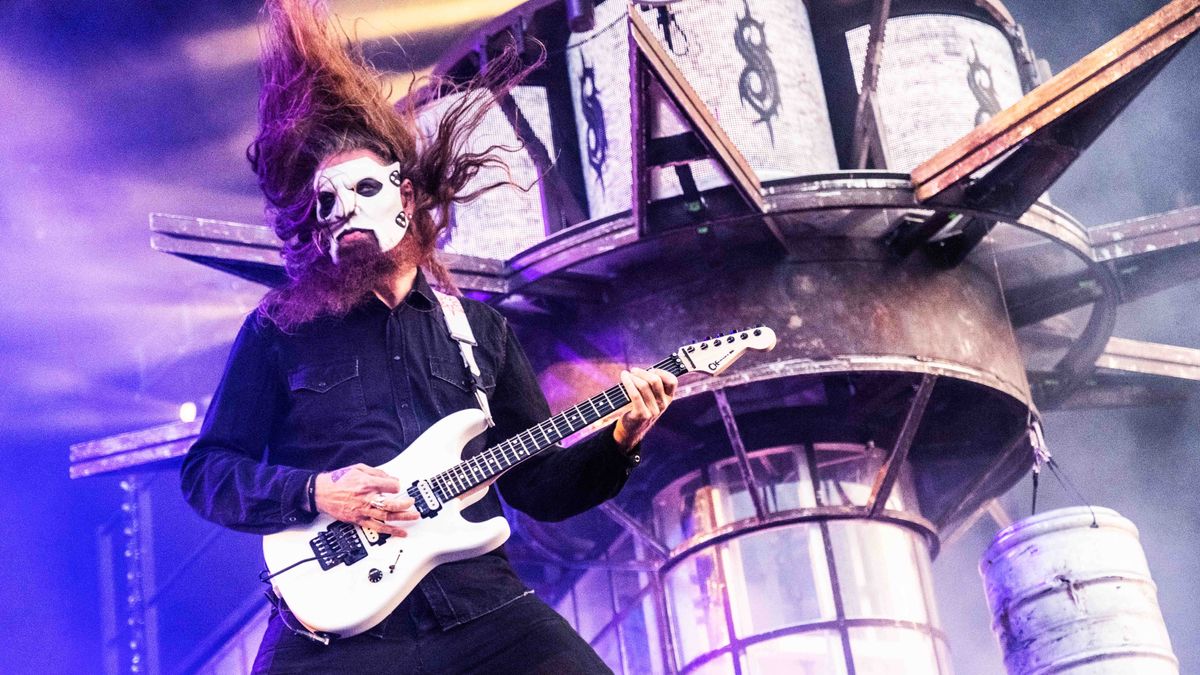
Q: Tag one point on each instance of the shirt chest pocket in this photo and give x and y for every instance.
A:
(451, 382)
(327, 397)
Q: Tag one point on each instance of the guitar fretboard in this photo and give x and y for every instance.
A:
(497, 459)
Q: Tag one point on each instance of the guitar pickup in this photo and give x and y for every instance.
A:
(425, 500)
(338, 544)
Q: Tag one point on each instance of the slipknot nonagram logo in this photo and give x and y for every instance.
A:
(593, 115)
(758, 85)
(983, 87)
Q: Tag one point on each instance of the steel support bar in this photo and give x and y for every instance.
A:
(634, 528)
(1148, 234)
(739, 452)
(867, 130)
(885, 480)
(959, 518)
(1150, 358)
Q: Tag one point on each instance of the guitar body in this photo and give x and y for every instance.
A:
(349, 599)
(341, 579)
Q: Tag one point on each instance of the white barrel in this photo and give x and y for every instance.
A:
(1067, 597)
(941, 76)
(752, 62)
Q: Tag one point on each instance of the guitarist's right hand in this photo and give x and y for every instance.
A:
(365, 496)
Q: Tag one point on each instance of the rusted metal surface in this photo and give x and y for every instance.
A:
(898, 453)
(131, 450)
(1148, 234)
(1150, 358)
(253, 252)
(1117, 389)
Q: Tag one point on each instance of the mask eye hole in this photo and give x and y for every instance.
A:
(325, 202)
(368, 187)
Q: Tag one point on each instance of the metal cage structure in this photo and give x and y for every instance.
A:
(930, 302)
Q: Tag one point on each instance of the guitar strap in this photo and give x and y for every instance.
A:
(460, 330)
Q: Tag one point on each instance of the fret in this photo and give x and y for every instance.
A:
(540, 436)
(574, 419)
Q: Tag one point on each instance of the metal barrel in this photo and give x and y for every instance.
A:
(1070, 592)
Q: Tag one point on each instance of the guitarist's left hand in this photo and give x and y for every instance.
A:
(650, 392)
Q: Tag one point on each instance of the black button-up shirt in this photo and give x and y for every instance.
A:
(360, 389)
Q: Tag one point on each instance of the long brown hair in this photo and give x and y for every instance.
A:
(320, 96)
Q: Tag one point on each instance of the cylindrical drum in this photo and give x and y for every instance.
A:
(941, 76)
(753, 64)
(1070, 592)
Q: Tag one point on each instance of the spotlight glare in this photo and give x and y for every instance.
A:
(187, 412)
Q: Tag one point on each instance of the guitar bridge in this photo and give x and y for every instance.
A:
(425, 501)
(338, 544)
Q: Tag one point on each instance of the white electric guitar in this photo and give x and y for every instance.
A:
(340, 579)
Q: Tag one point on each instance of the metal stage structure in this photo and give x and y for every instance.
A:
(866, 177)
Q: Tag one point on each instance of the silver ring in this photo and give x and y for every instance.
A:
(377, 502)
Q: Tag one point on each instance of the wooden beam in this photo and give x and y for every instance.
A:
(1060, 95)
(689, 103)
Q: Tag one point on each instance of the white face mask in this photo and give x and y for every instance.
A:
(361, 195)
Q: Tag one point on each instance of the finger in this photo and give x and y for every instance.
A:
(670, 382)
(638, 410)
(657, 388)
(392, 530)
(384, 527)
(641, 378)
(393, 504)
(409, 514)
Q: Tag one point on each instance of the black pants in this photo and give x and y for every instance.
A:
(524, 636)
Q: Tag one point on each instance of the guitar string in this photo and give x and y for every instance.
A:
(473, 472)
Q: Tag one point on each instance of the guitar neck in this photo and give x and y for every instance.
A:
(499, 458)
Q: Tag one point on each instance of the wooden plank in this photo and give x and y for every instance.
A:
(1061, 94)
(696, 111)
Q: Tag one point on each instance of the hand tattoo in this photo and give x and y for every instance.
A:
(337, 475)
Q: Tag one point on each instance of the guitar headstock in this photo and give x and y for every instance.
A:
(715, 354)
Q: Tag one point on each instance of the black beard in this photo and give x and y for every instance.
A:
(361, 266)
(326, 289)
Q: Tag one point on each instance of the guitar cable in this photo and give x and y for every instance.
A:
(265, 578)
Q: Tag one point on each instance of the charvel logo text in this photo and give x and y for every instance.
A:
(714, 364)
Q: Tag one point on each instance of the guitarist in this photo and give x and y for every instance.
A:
(351, 360)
